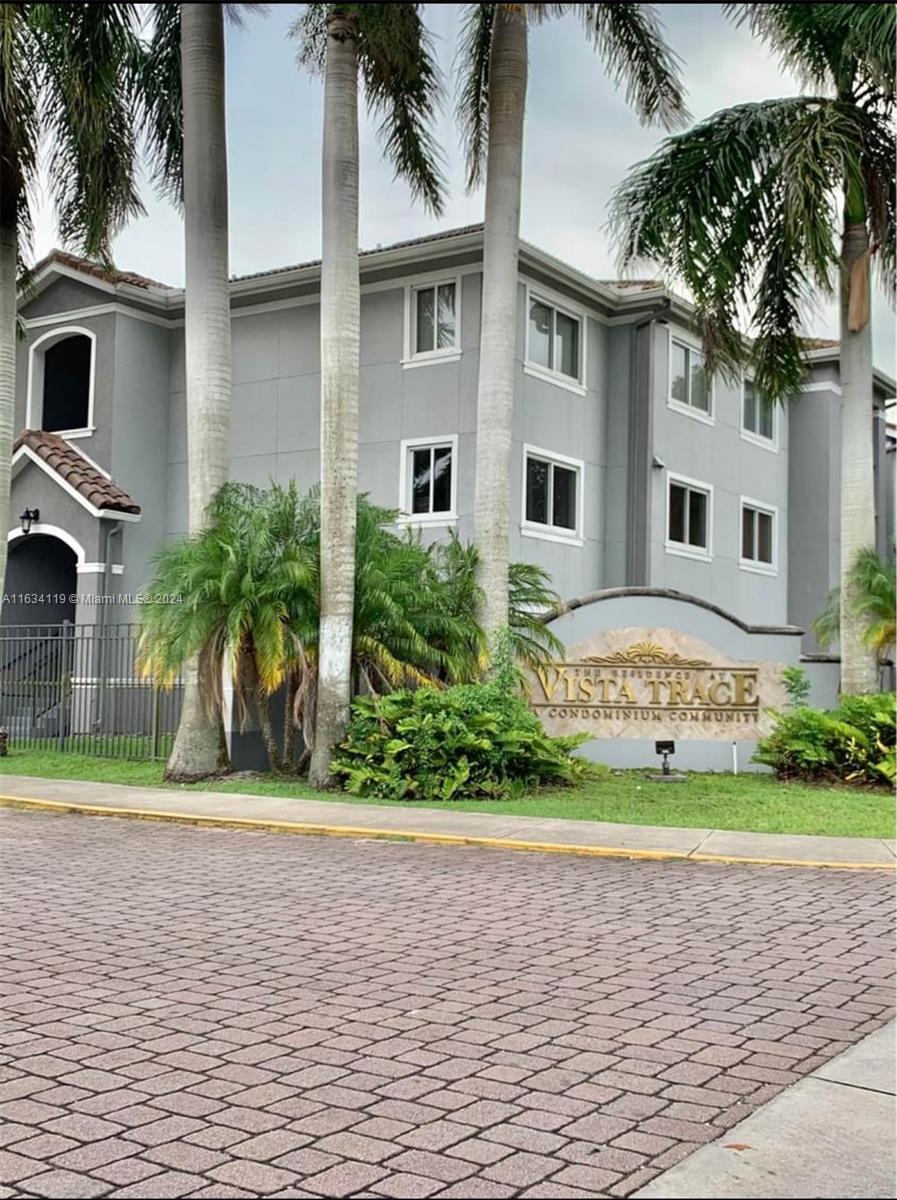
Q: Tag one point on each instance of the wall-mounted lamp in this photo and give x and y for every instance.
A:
(658, 464)
(28, 517)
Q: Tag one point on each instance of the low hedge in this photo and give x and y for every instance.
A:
(465, 741)
(853, 743)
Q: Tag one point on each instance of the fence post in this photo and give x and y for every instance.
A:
(63, 689)
(157, 708)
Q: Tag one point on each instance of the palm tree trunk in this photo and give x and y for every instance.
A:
(498, 337)
(199, 748)
(859, 668)
(340, 320)
(8, 263)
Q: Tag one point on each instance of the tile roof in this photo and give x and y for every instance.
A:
(634, 285)
(98, 271)
(810, 343)
(461, 231)
(81, 474)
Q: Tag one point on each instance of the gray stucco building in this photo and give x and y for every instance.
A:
(630, 467)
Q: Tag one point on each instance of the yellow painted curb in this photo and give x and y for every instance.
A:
(437, 839)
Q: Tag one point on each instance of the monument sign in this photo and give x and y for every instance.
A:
(655, 683)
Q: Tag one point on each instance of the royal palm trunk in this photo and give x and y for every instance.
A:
(8, 262)
(199, 747)
(340, 320)
(498, 335)
(859, 667)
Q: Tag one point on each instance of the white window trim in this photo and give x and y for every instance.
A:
(427, 519)
(706, 418)
(548, 374)
(554, 533)
(411, 357)
(756, 566)
(681, 549)
(757, 439)
(34, 405)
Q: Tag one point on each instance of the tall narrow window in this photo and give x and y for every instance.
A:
(66, 384)
(435, 319)
(757, 535)
(689, 385)
(688, 516)
(757, 414)
(553, 340)
(429, 483)
(551, 497)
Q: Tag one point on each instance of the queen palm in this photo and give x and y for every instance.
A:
(491, 105)
(184, 91)
(747, 208)
(66, 78)
(386, 45)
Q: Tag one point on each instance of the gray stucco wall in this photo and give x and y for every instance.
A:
(716, 454)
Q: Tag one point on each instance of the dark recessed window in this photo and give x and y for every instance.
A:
(756, 535)
(551, 494)
(688, 379)
(66, 399)
(688, 523)
(758, 415)
(553, 339)
(430, 470)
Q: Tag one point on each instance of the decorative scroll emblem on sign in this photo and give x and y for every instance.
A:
(647, 654)
(651, 683)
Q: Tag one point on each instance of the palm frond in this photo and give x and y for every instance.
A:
(163, 101)
(630, 41)
(91, 55)
(472, 74)
(19, 121)
(743, 210)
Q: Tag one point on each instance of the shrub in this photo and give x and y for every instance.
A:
(854, 743)
(471, 740)
(797, 685)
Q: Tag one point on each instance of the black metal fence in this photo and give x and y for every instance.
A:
(76, 688)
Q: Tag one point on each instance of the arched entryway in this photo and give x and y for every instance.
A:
(41, 582)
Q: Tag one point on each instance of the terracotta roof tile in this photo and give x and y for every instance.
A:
(69, 464)
(108, 274)
(809, 343)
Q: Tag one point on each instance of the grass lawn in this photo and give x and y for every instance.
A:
(752, 802)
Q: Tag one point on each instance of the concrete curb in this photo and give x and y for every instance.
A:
(309, 829)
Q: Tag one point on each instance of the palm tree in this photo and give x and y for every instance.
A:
(66, 77)
(744, 210)
(874, 597)
(184, 85)
(491, 107)
(385, 44)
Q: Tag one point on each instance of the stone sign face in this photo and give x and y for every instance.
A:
(655, 683)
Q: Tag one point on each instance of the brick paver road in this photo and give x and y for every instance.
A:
(217, 1013)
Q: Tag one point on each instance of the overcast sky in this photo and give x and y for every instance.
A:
(580, 140)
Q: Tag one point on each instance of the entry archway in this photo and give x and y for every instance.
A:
(40, 565)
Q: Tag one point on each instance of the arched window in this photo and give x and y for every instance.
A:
(60, 394)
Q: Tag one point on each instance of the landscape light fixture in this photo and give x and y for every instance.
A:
(666, 749)
(27, 518)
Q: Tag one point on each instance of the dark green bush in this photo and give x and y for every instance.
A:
(853, 743)
(472, 740)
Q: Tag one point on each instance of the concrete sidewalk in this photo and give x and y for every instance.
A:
(831, 1134)
(336, 819)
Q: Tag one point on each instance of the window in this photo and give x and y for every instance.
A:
(688, 517)
(757, 414)
(689, 385)
(60, 382)
(434, 318)
(553, 339)
(551, 493)
(428, 485)
(757, 535)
